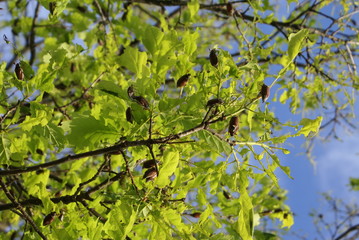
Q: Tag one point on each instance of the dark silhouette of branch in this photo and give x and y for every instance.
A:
(67, 198)
(311, 8)
(106, 157)
(93, 211)
(219, 8)
(123, 145)
(84, 92)
(129, 172)
(32, 35)
(9, 111)
(349, 230)
(21, 209)
(108, 150)
(180, 3)
(22, 51)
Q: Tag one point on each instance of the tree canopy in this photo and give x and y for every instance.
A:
(152, 119)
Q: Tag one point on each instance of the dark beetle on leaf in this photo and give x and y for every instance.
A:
(19, 72)
(129, 116)
(227, 195)
(49, 219)
(233, 125)
(150, 174)
(142, 101)
(182, 81)
(213, 58)
(196, 215)
(213, 102)
(230, 9)
(149, 163)
(265, 92)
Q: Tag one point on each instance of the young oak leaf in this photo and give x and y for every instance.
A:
(170, 162)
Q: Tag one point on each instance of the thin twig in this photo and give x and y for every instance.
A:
(112, 149)
(21, 209)
(351, 229)
(93, 211)
(32, 35)
(243, 36)
(107, 157)
(150, 128)
(60, 109)
(106, 19)
(22, 51)
(67, 198)
(8, 112)
(104, 184)
(99, 8)
(84, 92)
(154, 158)
(129, 172)
(351, 59)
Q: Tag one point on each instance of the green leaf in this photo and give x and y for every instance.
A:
(58, 56)
(215, 142)
(86, 131)
(296, 42)
(170, 162)
(5, 152)
(44, 79)
(286, 170)
(61, 234)
(135, 61)
(112, 89)
(37, 182)
(189, 41)
(56, 135)
(113, 226)
(284, 97)
(193, 7)
(285, 217)
(354, 184)
(264, 235)
(80, 22)
(153, 39)
(309, 125)
(3, 73)
(94, 228)
(244, 225)
(250, 115)
(59, 8)
(40, 115)
(173, 218)
(130, 223)
(28, 71)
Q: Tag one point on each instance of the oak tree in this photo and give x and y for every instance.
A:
(153, 119)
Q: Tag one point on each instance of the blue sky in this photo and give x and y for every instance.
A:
(335, 161)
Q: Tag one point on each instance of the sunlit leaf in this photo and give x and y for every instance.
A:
(310, 126)
(296, 42)
(170, 162)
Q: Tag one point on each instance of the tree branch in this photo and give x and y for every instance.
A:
(112, 149)
(349, 230)
(21, 209)
(129, 172)
(32, 35)
(94, 176)
(93, 211)
(84, 92)
(68, 198)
